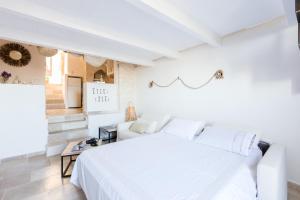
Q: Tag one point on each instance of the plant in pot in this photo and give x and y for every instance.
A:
(5, 76)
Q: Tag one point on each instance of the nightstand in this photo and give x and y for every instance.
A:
(108, 133)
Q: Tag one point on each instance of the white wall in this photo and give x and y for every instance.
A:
(125, 76)
(98, 120)
(127, 85)
(33, 73)
(261, 89)
(23, 125)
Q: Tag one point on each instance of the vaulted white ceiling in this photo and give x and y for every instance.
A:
(136, 31)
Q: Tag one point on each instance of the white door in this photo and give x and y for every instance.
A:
(74, 92)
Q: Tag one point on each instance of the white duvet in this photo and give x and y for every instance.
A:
(164, 167)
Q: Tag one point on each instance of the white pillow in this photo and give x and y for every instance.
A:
(161, 120)
(152, 127)
(230, 140)
(184, 128)
(143, 126)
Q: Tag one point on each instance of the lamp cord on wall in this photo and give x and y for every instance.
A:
(217, 75)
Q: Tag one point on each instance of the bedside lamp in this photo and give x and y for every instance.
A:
(130, 113)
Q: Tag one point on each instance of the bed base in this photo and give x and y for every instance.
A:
(271, 173)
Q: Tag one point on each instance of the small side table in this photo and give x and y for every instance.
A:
(110, 131)
(69, 153)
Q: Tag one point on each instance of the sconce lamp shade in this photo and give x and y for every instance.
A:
(131, 114)
(94, 61)
(48, 52)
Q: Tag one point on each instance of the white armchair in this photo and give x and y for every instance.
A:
(124, 132)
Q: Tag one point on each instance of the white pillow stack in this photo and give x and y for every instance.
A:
(235, 141)
(184, 128)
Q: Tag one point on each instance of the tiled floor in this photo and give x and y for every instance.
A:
(294, 192)
(38, 178)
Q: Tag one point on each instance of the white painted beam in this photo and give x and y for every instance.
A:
(166, 11)
(49, 16)
(20, 30)
(32, 40)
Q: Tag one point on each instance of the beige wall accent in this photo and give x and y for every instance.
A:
(127, 85)
(33, 73)
(74, 65)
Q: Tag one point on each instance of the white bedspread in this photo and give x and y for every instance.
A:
(163, 167)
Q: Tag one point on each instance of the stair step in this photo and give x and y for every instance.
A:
(54, 96)
(52, 86)
(57, 91)
(64, 126)
(54, 90)
(55, 106)
(55, 101)
(66, 118)
(62, 112)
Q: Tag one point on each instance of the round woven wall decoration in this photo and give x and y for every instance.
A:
(15, 54)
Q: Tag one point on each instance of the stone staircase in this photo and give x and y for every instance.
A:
(54, 97)
(63, 129)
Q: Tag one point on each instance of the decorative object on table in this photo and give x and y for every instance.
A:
(131, 114)
(93, 142)
(217, 75)
(85, 144)
(15, 54)
(48, 52)
(5, 76)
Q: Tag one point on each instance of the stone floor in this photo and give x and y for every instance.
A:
(35, 178)
(38, 178)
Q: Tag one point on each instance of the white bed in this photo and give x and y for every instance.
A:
(165, 167)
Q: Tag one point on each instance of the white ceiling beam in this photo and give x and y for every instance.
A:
(12, 32)
(34, 40)
(171, 14)
(49, 16)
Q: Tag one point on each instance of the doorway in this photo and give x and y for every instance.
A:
(73, 92)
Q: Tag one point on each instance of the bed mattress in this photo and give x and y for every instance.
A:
(165, 167)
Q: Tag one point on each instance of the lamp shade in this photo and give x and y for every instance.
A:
(94, 61)
(47, 51)
(131, 114)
